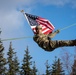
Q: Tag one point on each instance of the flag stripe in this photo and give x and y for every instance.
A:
(46, 23)
(45, 29)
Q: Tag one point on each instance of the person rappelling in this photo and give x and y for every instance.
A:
(46, 42)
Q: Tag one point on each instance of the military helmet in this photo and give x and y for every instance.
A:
(39, 27)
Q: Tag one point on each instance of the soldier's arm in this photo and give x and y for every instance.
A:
(51, 35)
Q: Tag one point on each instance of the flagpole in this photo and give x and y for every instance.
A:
(25, 16)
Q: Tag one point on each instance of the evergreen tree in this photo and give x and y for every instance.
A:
(26, 69)
(48, 71)
(2, 59)
(16, 64)
(34, 70)
(54, 68)
(12, 62)
(57, 68)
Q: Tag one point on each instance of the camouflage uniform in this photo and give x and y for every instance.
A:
(47, 44)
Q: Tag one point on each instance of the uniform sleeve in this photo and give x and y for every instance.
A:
(51, 35)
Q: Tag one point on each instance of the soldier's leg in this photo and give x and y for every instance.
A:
(67, 43)
(61, 43)
(56, 44)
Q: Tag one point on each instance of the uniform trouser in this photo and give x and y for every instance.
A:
(56, 44)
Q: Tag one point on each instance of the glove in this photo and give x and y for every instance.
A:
(57, 31)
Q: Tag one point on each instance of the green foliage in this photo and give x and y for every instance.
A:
(2, 60)
(16, 64)
(57, 68)
(26, 69)
(12, 62)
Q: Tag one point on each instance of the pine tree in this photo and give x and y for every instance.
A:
(57, 67)
(48, 70)
(12, 62)
(16, 64)
(34, 70)
(54, 68)
(26, 69)
(2, 59)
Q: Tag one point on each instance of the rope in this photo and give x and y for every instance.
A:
(31, 37)
(15, 38)
(68, 26)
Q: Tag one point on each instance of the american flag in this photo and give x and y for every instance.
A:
(34, 20)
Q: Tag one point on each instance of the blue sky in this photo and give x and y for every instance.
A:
(13, 24)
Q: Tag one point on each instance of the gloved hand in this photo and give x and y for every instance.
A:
(57, 31)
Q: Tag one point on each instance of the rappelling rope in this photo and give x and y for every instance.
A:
(68, 26)
(15, 38)
(31, 37)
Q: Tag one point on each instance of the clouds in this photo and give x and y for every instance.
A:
(10, 11)
(10, 17)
